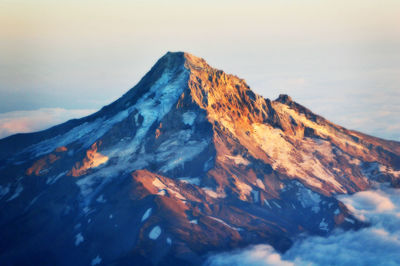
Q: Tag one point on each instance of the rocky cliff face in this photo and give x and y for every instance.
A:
(189, 161)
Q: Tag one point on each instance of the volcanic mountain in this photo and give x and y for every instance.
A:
(189, 161)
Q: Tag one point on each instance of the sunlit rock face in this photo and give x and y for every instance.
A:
(189, 161)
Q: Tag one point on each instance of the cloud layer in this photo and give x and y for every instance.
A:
(259, 255)
(35, 120)
(378, 244)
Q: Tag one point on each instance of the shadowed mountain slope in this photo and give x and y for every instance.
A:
(189, 161)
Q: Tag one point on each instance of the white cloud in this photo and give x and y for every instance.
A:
(373, 112)
(378, 244)
(35, 120)
(260, 255)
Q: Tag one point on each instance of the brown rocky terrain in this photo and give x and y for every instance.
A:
(189, 161)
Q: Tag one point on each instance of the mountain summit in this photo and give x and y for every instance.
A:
(189, 161)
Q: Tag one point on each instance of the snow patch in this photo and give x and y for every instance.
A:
(212, 193)
(158, 184)
(96, 260)
(388, 170)
(53, 179)
(174, 153)
(256, 196)
(85, 134)
(162, 192)
(155, 104)
(301, 163)
(79, 239)
(224, 223)
(101, 199)
(277, 205)
(17, 192)
(267, 203)
(33, 201)
(155, 232)
(190, 180)
(355, 161)
(244, 189)
(188, 118)
(4, 190)
(209, 164)
(308, 198)
(126, 155)
(86, 209)
(163, 188)
(260, 184)
(238, 159)
(323, 225)
(146, 214)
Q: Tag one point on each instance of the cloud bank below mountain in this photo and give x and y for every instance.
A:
(35, 120)
(378, 244)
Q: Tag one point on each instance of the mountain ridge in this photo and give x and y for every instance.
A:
(187, 162)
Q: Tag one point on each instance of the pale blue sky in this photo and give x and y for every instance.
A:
(339, 58)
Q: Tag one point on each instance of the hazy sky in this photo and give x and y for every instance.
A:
(339, 58)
